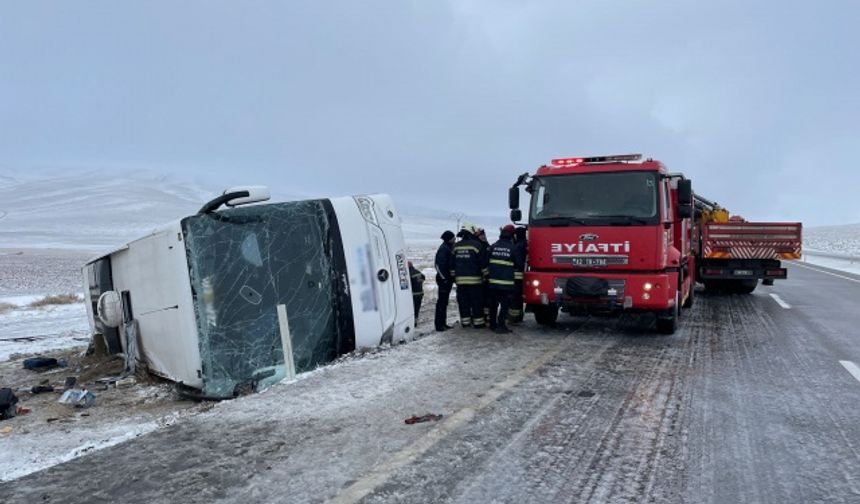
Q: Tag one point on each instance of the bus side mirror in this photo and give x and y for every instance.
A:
(516, 215)
(514, 197)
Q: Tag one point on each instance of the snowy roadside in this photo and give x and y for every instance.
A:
(841, 262)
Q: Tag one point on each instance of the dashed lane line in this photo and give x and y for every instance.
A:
(779, 301)
(826, 272)
(851, 368)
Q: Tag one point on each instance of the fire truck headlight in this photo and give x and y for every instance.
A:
(647, 286)
(535, 283)
(646, 296)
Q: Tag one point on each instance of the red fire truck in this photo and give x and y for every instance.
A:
(613, 233)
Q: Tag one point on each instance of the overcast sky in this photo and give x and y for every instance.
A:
(442, 104)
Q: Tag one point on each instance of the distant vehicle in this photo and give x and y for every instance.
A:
(232, 300)
(613, 233)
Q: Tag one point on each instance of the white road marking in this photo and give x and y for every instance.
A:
(851, 368)
(779, 301)
(826, 272)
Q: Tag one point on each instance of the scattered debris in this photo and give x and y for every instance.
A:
(8, 400)
(70, 383)
(22, 411)
(586, 393)
(116, 381)
(43, 363)
(429, 417)
(6, 430)
(79, 398)
(41, 389)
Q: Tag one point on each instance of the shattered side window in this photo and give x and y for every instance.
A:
(243, 263)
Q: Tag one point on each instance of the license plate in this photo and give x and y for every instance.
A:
(589, 261)
(743, 272)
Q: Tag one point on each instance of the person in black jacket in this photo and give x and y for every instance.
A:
(515, 314)
(444, 279)
(470, 264)
(504, 263)
(417, 279)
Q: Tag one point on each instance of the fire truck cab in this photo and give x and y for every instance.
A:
(608, 234)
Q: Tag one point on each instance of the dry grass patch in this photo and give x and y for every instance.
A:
(58, 299)
(4, 307)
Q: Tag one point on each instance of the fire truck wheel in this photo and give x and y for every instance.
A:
(546, 315)
(668, 322)
(688, 303)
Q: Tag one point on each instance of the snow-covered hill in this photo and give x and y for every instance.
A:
(96, 211)
(843, 239)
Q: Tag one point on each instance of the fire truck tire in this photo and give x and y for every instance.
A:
(667, 323)
(545, 315)
(688, 303)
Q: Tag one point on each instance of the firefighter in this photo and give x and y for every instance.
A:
(444, 264)
(515, 314)
(470, 262)
(417, 289)
(504, 263)
(481, 235)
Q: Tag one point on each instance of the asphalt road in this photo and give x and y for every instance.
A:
(752, 400)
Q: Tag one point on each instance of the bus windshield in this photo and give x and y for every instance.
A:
(610, 198)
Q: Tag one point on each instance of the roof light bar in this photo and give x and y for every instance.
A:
(596, 159)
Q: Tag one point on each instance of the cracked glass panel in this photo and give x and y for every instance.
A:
(243, 263)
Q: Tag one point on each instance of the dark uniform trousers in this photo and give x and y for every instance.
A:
(500, 302)
(444, 292)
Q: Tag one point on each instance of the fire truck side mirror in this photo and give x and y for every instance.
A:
(685, 198)
(514, 197)
(516, 215)
(685, 192)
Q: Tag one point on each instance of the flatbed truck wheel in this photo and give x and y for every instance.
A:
(744, 286)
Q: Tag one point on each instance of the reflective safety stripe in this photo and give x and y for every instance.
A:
(416, 294)
(466, 247)
(486, 271)
(465, 322)
(514, 313)
(416, 275)
(501, 282)
(468, 280)
(478, 321)
(501, 262)
(518, 275)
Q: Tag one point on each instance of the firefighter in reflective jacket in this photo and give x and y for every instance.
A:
(504, 263)
(515, 314)
(417, 288)
(470, 267)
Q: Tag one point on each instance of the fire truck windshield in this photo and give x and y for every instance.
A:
(609, 198)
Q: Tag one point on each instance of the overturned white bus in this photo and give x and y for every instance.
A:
(231, 300)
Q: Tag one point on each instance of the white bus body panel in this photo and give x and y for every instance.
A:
(154, 270)
(378, 306)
